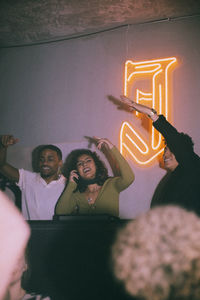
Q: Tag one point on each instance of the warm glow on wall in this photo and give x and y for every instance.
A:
(155, 73)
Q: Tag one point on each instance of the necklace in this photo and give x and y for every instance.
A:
(91, 195)
(89, 200)
(91, 203)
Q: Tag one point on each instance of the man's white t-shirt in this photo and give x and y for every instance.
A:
(38, 197)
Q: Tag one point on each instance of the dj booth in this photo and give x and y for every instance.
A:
(70, 257)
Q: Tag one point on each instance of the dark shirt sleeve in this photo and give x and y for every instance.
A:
(182, 186)
(176, 142)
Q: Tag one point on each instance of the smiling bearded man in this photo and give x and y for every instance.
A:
(40, 191)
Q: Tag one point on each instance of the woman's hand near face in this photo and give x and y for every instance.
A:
(73, 176)
(103, 143)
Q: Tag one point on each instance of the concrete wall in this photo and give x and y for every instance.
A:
(58, 93)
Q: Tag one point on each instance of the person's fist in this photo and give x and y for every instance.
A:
(7, 140)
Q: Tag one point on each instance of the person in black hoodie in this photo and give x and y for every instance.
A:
(181, 185)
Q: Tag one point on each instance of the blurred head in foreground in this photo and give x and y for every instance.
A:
(157, 256)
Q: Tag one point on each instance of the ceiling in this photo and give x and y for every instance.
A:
(37, 21)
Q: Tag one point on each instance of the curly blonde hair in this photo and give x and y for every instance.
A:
(157, 256)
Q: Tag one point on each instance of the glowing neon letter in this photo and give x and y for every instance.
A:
(156, 72)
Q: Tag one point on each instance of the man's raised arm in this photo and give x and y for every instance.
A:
(7, 170)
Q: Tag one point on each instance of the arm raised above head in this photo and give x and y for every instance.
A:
(6, 169)
(126, 176)
(105, 146)
(119, 165)
(150, 112)
(103, 143)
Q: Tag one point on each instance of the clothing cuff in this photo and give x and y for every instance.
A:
(159, 122)
(20, 182)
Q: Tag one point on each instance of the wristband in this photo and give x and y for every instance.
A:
(152, 113)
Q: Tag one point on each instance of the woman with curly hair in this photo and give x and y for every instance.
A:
(90, 190)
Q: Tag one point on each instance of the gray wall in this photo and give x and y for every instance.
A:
(58, 93)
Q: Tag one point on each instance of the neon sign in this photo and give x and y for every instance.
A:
(148, 83)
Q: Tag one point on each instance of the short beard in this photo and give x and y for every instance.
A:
(48, 175)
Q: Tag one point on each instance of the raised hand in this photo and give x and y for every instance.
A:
(7, 140)
(102, 143)
(134, 105)
(150, 112)
(127, 101)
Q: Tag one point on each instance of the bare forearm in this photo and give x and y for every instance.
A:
(7, 170)
(150, 112)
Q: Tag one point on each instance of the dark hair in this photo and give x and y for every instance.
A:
(184, 140)
(71, 164)
(37, 152)
(50, 147)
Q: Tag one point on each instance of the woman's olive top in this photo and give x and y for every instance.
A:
(107, 201)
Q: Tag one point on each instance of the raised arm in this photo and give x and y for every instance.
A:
(106, 151)
(126, 175)
(159, 122)
(7, 170)
(177, 144)
(146, 110)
